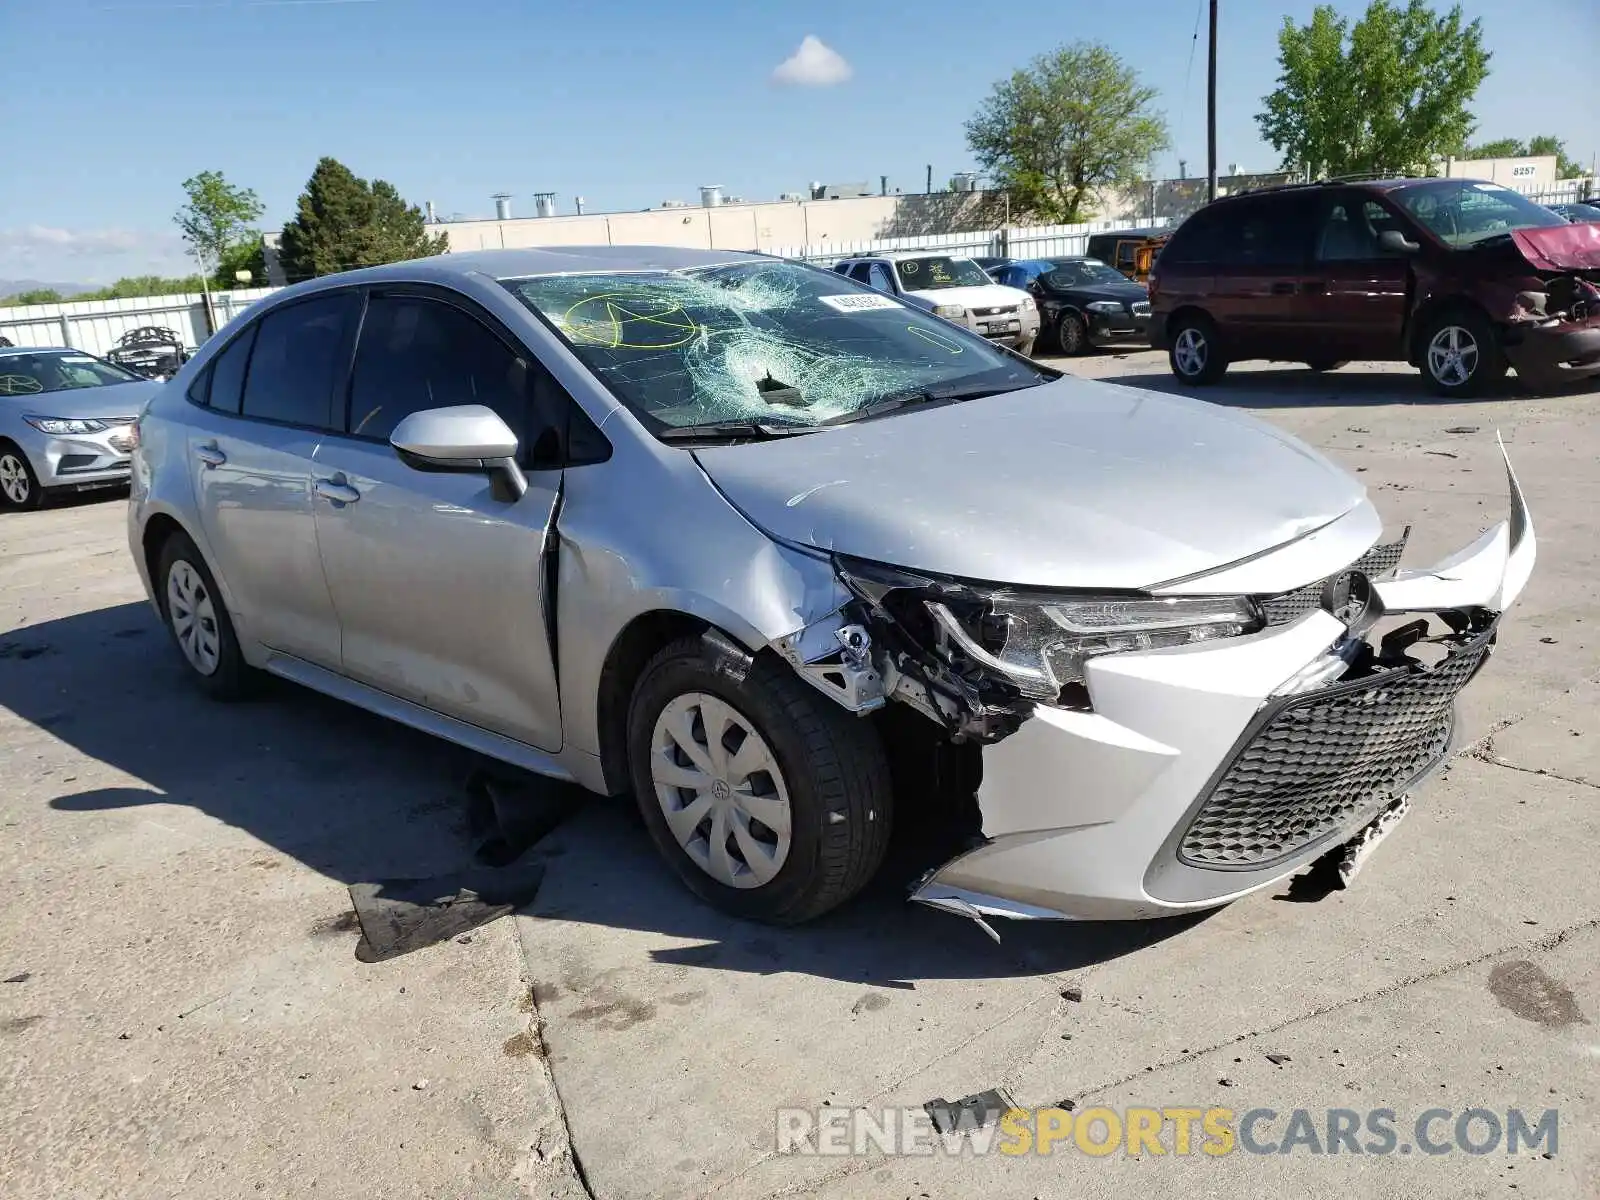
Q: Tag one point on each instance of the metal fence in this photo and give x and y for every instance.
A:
(95, 325)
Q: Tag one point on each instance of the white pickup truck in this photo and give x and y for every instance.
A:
(954, 287)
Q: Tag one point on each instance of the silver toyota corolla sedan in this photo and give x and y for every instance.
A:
(792, 561)
(66, 423)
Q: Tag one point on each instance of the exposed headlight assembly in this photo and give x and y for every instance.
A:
(1038, 642)
(1040, 645)
(58, 426)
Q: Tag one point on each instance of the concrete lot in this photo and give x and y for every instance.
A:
(183, 1014)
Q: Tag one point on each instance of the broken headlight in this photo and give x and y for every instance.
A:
(1038, 642)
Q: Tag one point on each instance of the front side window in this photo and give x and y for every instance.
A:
(939, 271)
(57, 371)
(1461, 212)
(766, 341)
(416, 353)
(878, 277)
(297, 355)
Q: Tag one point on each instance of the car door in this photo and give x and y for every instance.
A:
(440, 587)
(1356, 290)
(267, 405)
(1257, 294)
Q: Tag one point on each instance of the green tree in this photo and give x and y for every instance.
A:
(1566, 168)
(342, 222)
(36, 296)
(217, 218)
(1072, 122)
(1393, 99)
(1540, 146)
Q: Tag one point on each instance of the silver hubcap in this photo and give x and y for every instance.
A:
(1190, 351)
(13, 479)
(720, 790)
(1453, 355)
(194, 619)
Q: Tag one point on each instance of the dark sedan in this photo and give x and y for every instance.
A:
(1082, 302)
(1578, 214)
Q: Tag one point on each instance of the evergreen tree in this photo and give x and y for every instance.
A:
(343, 222)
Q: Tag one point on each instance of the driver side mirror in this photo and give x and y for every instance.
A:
(1395, 242)
(467, 439)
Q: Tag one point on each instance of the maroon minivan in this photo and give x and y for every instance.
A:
(1457, 277)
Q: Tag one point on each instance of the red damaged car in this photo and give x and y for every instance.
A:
(1457, 277)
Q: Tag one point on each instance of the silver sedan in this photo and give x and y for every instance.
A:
(793, 561)
(66, 423)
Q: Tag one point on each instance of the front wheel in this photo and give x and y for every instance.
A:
(1072, 335)
(1461, 354)
(768, 800)
(1194, 356)
(19, 486)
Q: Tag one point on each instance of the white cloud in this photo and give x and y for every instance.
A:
(90, 255)
(815, 64)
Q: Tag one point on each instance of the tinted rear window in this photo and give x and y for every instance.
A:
(295, 361)
(1266, 233)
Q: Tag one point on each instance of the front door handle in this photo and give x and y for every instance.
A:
(337, 490)
(210, 455)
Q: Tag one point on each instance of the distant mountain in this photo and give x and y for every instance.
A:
(10, 287)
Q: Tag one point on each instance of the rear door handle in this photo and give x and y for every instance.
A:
(210, 455)
(337, 490)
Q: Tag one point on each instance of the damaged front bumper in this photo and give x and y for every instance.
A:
(1193, 775)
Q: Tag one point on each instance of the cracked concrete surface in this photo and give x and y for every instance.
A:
(165, 856)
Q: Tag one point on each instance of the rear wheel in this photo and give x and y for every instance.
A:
(198, 620)
(19, 486)
(1461, 355)
(1194, 355)
(768, 800)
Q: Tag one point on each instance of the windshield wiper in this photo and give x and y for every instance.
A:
(730, 431)
(899, 400)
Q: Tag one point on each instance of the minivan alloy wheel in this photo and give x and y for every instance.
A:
(720, 790)
(14, 481)
(193, 617)
(1453, 355)
(1190, 351)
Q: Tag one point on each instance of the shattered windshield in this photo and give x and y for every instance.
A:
(1465, 212)
(760, 341)
(939, 271)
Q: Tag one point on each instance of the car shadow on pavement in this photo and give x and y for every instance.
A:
(1297, 387)
(359, 798)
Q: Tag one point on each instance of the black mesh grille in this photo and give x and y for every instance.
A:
(1320, 760)
(1290, 606)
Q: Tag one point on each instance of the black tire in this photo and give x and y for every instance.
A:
(1323, 365)
(232, 678)
(1072, 335)
(832, 766)
(1212, 364)
(1473, 373)
(18, 474)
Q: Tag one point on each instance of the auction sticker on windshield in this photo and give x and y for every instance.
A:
(858, 302)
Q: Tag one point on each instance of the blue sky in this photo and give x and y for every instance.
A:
(110, 104)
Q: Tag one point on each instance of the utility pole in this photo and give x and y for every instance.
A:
(1211, 109)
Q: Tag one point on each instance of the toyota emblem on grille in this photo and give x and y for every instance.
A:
(1349, 596)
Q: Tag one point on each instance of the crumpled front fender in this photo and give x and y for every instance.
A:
(1490, 573)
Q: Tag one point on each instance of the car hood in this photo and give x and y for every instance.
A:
(1560, 247)
(1069, 484)
(991, 295)
(113, 400)
(1122, 293)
